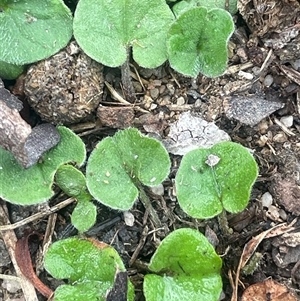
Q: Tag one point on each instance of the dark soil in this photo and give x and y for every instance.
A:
(264, 68)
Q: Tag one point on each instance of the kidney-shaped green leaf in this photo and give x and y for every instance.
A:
(119, 162)
(197, 41)
(33, 30)
(71, 180)
(105, 29)
(209, 180)
(187, 268)
(34, 185)
(90, 266)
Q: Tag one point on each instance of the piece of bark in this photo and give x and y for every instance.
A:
(13, 132)
(42, 138)
(116, 117)
(10, 240)
(26, 144)
(9, 99)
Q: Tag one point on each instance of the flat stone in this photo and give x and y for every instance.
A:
(250, 110)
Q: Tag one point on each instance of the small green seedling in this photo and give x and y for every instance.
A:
(197, 41)
(73, 183)
(210, 180)
(89, 266)
(119, 166)
(107, 29)
(37, 181)
(186, 268)
(32, 30)
(115, 27)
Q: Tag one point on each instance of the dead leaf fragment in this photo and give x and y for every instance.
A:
(268, 290)
(287, 193)
(23, 259)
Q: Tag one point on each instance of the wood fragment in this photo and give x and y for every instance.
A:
(139, 246)
(291, 73)
(10, 239)
(37, 216)
(16, 136)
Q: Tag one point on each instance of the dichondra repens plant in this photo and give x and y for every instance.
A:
(208, 181)
(108, 31)
(194, 40)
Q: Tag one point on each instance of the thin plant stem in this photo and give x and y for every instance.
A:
(126, 81)
(223, 223)
(148, 206)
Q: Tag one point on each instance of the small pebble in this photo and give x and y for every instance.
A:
(154, 93)
(157, 83)
(198, 103)
(153, 106)
(268, 81)
(296, 64)
(283, 214)
(255, 70)
(171, 88)
(158, 189)
(137, 87)
(147, 101)
(194, 83)
(11, 286)
(180, 101)
(280, 137)
(128, 218)
(162, 89)
(291, 88)
(166, 100)
(285, 82)
(273, 213)
(245, 75)
(263, 126)
(287, 121)
(267, 199)
(262, 140)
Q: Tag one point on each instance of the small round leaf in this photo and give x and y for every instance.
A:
(205, 185)
(33, 30)
(89, 265)
(188, 268)
(197, 41)
(119, 162)
(84, 215)
(114, 26)
(70, 180)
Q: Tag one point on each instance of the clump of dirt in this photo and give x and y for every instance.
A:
(66, 88)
